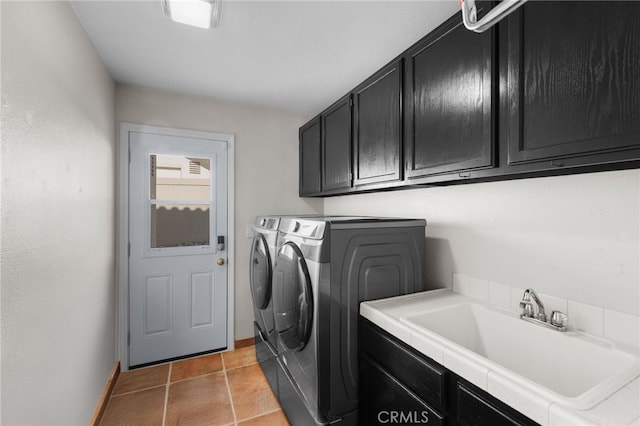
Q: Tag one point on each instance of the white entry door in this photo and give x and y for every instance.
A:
(177, 237)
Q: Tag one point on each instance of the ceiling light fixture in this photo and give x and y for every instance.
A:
(198, 13)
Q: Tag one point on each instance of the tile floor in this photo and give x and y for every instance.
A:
(225, 388)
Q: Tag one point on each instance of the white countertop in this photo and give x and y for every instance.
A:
(620, 408)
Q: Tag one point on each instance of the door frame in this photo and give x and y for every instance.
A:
(122, 244)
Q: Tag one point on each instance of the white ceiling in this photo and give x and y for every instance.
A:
(296, 55)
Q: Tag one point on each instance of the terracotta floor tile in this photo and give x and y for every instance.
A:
(194, 367)
(203, 400)
(143, 378)
(239, 357)
(250, 392)
(137, 408)
(276, 418)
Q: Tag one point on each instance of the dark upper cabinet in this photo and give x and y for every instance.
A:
(573, 81)
(309, 158)
(553, 89)
(377, 141)
(336, 146)
(449, 101)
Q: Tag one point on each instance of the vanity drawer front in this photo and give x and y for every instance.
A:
(476, 410)
(426, 379)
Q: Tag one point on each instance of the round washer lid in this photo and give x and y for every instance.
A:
(260, 272)
(292, 297)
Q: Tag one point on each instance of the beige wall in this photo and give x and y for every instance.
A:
(57, 217)
(573, 237)
(266, 163)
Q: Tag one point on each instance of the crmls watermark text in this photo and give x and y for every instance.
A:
(403, 417)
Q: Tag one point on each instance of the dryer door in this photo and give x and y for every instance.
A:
(260, 272)
(292, 297)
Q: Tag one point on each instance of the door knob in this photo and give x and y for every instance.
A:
(220, 261)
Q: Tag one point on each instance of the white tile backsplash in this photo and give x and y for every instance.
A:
(615, 326)
(586, 318)
(460, 284)
(500, 295)
(552, 303)
(623, 328)
(516, 297)
(470, 286)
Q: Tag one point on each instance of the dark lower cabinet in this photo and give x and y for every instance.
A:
(377, 139)
(474, 409)
(399, 385)
(396, 405)
(573, 82)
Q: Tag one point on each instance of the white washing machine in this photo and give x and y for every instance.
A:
(324, 268)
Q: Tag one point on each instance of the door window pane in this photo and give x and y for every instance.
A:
(180, 201)
(179, 226)
(180, 178)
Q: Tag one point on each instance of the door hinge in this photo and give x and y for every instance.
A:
(129, 338)
(128, 249)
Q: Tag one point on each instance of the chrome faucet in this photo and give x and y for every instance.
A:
(527, 307)
(529, 298)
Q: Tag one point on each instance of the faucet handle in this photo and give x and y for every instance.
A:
(559, 319)
(526, 305)
(527, 308)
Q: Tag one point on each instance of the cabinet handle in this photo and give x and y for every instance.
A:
(557, 163)
(464, 175)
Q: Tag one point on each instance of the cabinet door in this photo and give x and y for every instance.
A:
(426, 379)
(336, 146)
(378, 133)
(387, 401)
(573, 83)
(309, 158)
(475, 409)
(448, 101)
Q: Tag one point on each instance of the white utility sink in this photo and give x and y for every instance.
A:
(578, 371)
